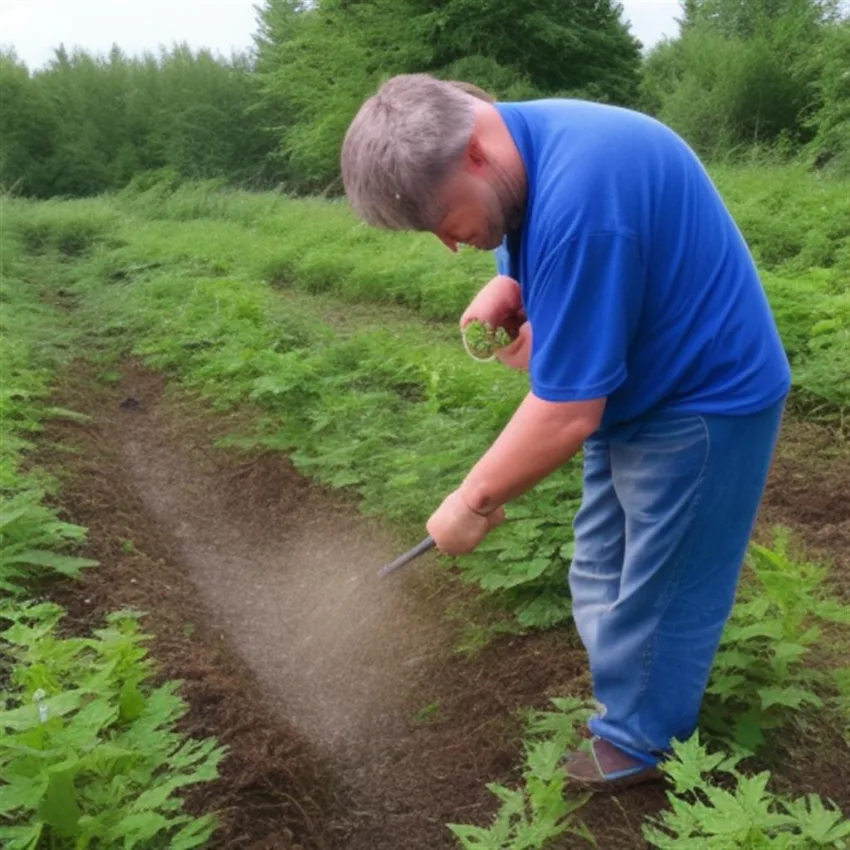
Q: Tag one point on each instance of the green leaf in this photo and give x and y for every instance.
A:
(21, 837)
(518, 574)
(787, 651)
(791, 697)
(196, 833)
(825, 827)
(724, 685)
(139, 828)
(27, 716)
(834, 611)
(769, 629)
(748, 731)
(474, 837)
(64, 564)
(21, 792)
(346, 478)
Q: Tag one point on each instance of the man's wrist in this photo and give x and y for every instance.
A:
(476, 500)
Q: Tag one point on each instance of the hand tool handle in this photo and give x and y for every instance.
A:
(407, 557)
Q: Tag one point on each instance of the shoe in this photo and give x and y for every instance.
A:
(604, 767)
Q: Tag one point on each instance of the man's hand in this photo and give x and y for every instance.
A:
(457, 529)
(499, 304)
(518, 353)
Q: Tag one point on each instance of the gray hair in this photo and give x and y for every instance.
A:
(402, 144)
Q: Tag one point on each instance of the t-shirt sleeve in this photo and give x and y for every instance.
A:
(584, 305)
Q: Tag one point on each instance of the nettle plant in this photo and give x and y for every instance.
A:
(540, 810)
(713, 806)
(89, 755)
(761, 679)
(526, 560)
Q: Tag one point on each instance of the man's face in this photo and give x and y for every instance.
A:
(474, 213)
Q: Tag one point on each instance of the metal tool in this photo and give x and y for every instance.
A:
(407, 557)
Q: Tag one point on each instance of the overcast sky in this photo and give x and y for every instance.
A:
(35, 27)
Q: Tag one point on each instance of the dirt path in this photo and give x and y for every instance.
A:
(262, 594)
(293, 584)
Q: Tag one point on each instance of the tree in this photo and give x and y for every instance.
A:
(318, 61)
(830, 115)
(740, 73)
(560, 46)
(27, 129)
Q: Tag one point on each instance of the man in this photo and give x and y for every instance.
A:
(650, 345)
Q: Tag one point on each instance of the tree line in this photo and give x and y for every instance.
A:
(772, 74)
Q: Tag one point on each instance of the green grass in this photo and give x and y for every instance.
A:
(33, 340)
(347, 339)
(797, 225)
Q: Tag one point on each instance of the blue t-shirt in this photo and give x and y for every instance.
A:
(636, 280)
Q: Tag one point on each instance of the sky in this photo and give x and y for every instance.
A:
(35, 27)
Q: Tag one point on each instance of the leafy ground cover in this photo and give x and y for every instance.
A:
(90, 752)
(344, 346)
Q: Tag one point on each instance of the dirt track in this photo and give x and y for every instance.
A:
(262, 593)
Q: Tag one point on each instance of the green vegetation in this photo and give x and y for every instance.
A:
(318, 62)
(482, 340)
(763, 676)
(756, 74)
(33, 541)
(705, 814)
(743, 78)
(90, 755)
(344, 344)
(797, 226)
(541, 810)
(85, 125)
(199, 282)
(760, 686)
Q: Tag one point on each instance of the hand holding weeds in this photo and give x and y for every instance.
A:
(498, 304)
(517, 353)
(457, 529)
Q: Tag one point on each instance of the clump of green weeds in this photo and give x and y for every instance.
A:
(713, 806)
(482, 340)
(31, 340)
(762, 677)
(89, 752)
(539, 811)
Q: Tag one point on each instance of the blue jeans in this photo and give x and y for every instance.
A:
(668, 509)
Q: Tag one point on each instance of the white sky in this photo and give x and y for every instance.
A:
(35, 27)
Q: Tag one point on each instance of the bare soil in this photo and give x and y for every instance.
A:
(809, 492)
(351, 722)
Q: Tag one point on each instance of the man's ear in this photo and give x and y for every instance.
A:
(476, 159)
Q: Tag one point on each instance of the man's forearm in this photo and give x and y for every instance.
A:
(540, 437)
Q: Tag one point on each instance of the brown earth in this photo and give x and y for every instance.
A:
(809, 492)
(350, 722)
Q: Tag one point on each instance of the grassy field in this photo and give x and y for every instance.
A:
(338, 346)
